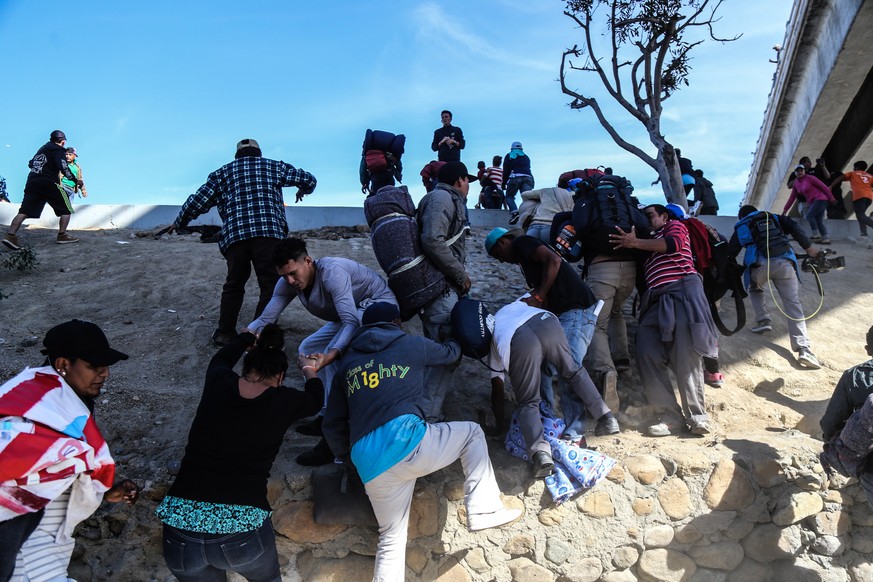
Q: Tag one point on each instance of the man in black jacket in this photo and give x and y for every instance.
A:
(448, 140)
(375, 416)
(43, 187)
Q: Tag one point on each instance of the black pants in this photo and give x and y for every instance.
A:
(240, 257)
(13, 534)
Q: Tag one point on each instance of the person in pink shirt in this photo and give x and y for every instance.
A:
(818, 196)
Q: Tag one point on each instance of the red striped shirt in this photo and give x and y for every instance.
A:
(664, 268)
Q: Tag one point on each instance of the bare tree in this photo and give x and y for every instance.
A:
(648, 63)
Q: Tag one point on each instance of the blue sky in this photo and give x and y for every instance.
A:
(155, 95)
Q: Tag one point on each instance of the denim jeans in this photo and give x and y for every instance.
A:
(860, 207)
(203, 557)
(815, 215)
(541, 232)
(517, 184)
(578, 326)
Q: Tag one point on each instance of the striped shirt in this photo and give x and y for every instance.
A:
(495, 174)
(248, 194)
(677, 262)
(41, 558)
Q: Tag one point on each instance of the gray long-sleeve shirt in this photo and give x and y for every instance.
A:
(441, 216)
(339, 288)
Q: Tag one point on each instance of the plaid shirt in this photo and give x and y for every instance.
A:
(248, 194)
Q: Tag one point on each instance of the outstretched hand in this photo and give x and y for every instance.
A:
(624, 240)
(126, 491)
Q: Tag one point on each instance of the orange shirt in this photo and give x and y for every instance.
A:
(860, 182)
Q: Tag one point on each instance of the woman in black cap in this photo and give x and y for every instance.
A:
(55, 466)
(216, 515)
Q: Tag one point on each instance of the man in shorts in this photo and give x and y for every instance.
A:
(43, 187)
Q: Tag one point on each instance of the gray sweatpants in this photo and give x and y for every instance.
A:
(391, 492)
(539, 341)
(612, 282)
(654, 356)
(784, 278)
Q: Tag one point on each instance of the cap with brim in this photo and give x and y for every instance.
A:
(72, 151)
(676, 211)
(451, 172)
(247, 143)
(516, 145)
(493, 237)
(57, 135)
(800, 168)
(81, 339)
(380, 312)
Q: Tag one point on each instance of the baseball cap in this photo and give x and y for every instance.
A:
(380, 312)
(72, 151)
(57, 135)
(247, 143)
(451, 172)
(81, 339)
(493, 237)
(676, 211)
(800, 167)
(516, 145)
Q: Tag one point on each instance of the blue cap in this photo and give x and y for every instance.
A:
(493, 237)
(676, 211)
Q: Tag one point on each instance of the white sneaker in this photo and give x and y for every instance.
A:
(505, 516)
(807, 359)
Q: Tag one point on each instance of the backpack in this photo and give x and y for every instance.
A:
(721, 273)
(563, 237)
(847, 451)
(472, 327)
(603, 203)
(564, 179)
(396, 241)
(381, 152)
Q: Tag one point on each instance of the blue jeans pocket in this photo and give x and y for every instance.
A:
(243, 552)
(174, 554)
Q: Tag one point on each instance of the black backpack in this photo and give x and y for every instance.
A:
(380, 156)
(472, 327)
(603, 203)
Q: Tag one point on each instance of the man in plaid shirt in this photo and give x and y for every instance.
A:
(248, 195)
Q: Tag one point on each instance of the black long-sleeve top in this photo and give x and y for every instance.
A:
(234, 440)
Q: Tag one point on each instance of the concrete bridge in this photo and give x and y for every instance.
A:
(821, 103)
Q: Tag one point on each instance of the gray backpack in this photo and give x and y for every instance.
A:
(847, 451)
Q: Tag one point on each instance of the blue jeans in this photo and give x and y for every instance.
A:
(815, 215)
(203, 557)
(578, 326)
(517, 184)
(541, 232)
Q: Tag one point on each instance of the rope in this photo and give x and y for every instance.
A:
(770, 283)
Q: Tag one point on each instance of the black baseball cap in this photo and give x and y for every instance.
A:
(452, 171)
(380, 312)
(81, 339)
(57, 135)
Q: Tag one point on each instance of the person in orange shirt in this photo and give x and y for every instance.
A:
(862, 194)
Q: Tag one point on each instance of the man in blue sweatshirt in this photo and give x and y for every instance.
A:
(375, 417)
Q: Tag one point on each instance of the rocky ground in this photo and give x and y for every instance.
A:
(745, 503)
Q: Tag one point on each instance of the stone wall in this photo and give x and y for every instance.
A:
(690, 512)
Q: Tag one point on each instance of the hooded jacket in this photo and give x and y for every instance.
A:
(48, 163)
(440, 216)
(380, 377)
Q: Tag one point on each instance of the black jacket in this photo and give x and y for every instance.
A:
(448, 153)
(47, 163)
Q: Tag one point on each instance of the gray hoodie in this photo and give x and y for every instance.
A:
(440, 215)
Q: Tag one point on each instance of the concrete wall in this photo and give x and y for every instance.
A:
(140, 216)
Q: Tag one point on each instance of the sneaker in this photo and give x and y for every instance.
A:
(610, 390)
(11, 241)
(63, 239)
(807, 359)
(467, 231)
(319, 455)
(513, 218)
(815, 237)
(505, 516)
(542, 464)
(701, 428)
(714, 379)
(825, 241)
(666, 428)
(607, 425)
(311, 428)
(762, 326)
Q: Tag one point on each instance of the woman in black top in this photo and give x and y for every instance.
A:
(216, 515)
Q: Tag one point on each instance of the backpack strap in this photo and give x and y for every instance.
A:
(455, 238)
(737, 291)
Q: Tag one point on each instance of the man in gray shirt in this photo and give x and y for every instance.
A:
(334, 289)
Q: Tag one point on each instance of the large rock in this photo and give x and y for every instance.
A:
(750, 570)
(625, 557)
(768, 472)
(352, 567)
(675, 498)
(663, 565)
(452, 571)
(551, 516)
(424, 517)
(729, 488)
(520, 545)
(718, 556)
(861, 570)
(475, 559)
(619, 576)
(769, 542)
(523, 570)
(829, 545)
(804, 569)
(862, 540)
(831, 523)
(646, 469)
(688, 534)
(585, 570)
(691, 462)
(294, 521)
(659, 536)
(558, 551)
(596, 504)
(790, 510)
(704, 575)
(643, 505)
